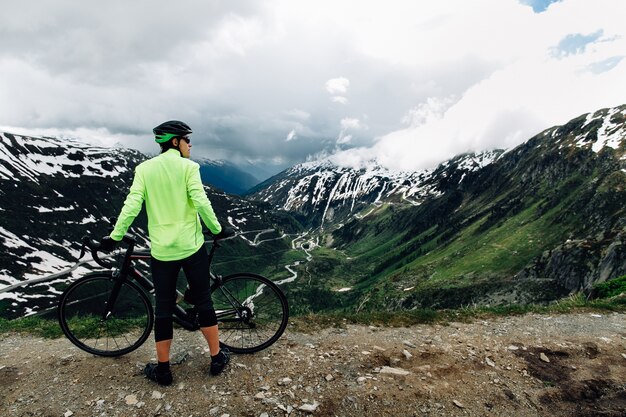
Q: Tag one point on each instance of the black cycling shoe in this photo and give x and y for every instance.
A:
(219, 363)
(161, 378)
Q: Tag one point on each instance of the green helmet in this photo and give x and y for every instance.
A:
(169, 130)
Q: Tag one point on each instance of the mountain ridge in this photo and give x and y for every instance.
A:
(342, 191)
(529, 224)
(59, 190)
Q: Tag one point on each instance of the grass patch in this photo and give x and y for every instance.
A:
(35, 326)
(310, 323)
(499, 250)
(92, 326)
(313, 322)
(576, 303)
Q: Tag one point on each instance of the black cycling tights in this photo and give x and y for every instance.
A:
(165, 274)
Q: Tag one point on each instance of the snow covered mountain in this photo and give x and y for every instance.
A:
(545, 219)
(533, 223)
(323, 192)
(53, 191)
(40, 179)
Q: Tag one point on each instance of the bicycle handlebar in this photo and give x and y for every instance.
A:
(94, 246)
(226, 233)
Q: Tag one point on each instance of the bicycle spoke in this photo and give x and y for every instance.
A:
(251, 312)
(82, 320)
(227, 338)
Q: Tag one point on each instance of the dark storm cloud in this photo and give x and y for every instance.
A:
(278, 81)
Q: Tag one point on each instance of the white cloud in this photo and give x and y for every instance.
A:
(350, 123)
(531, 91)
(344, 138)
(292, 135)
(337, 85)
(347, 123)
(298, 114)
(339, 99)
(427, 112)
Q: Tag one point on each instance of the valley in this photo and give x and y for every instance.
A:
(531, 224)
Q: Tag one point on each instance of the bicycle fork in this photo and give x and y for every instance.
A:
(115, 292)
(119, 281)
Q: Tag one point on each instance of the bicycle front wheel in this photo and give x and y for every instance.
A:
(252, 312)
(93, 327)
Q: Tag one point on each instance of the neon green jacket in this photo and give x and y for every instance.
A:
(171, 188)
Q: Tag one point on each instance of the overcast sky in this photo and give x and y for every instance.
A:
(408, 83)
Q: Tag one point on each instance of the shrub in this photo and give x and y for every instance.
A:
(610, 288)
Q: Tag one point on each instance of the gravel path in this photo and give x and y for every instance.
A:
(531, 365)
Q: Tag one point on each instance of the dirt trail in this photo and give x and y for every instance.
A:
(532, 365)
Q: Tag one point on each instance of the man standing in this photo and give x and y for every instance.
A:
(171, 188)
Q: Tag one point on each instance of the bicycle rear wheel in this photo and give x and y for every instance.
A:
(84, 321)
(252, 312)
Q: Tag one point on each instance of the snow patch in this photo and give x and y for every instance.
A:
(609, 134)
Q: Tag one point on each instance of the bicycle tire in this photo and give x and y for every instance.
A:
(80, 314)
(259, 317)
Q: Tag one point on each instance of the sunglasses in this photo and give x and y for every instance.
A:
(185, 138)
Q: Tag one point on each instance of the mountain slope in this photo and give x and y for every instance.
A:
(542, 220)
(45, 182)
(52, 192)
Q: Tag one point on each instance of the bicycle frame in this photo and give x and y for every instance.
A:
(181, 316)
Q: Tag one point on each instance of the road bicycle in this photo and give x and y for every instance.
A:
(109, 313)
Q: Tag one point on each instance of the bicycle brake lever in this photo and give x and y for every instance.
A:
(95, 246)
(82, 252)
(83, 247)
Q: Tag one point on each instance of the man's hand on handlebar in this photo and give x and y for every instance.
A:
(226, 232)
(107, 244)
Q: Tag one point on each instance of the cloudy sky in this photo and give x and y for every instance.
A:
(409, 83)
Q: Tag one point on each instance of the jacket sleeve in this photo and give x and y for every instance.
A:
(132, 207)
(197, 195)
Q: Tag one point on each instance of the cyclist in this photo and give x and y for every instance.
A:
(171, 188)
